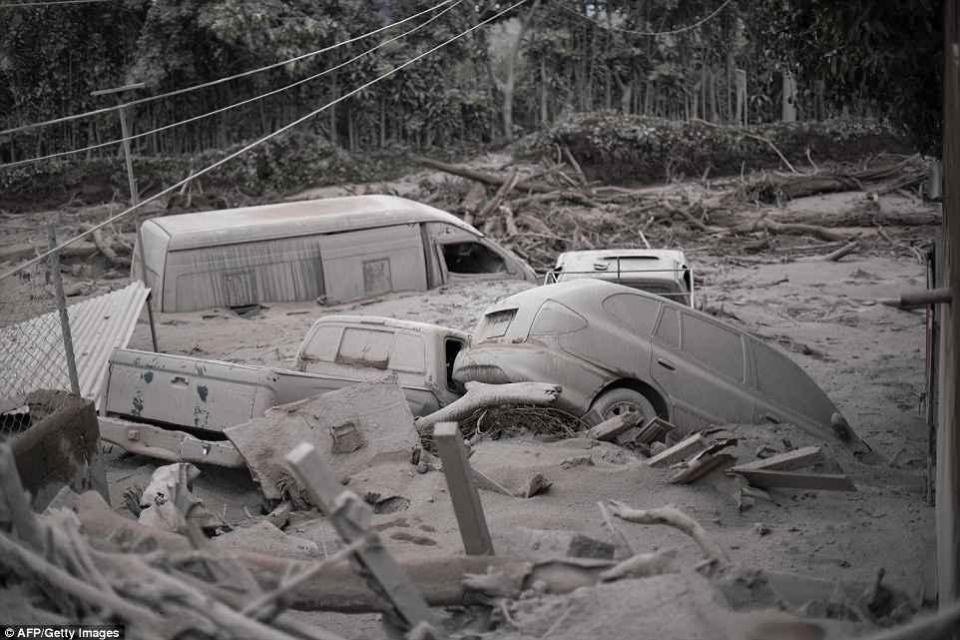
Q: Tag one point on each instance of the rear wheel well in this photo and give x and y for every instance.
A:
(651, 394)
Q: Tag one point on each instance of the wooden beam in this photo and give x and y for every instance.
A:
(463, 493)
(917, 299)
(704, 464)
(948, 438)
(798, 480)
(613, 427)
(680, 451)
(796, 459)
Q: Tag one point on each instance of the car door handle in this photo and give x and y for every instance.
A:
(770, 418)
(666, 364)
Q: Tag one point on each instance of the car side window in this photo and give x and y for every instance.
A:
(634, 311)
(668, 331)
(713, 345)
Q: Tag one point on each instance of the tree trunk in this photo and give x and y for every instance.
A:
(544, 94)
(513, 58)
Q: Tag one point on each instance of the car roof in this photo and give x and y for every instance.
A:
(299, 218)
(582, 293)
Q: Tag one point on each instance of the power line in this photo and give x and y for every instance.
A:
(689, 27)
(212, 83)
(10, 5)
(259, 141)
(235, 105)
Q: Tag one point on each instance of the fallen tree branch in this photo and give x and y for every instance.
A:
(576, 165)
(766, 141)
(771, 226)
(481, 394)
(79, 589)
(671, 516)
(481, 176)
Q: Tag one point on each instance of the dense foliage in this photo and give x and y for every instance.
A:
(532, 69)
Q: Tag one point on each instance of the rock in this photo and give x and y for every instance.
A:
(579, 461)
(264, 537)
(761, 529)
(582, 546)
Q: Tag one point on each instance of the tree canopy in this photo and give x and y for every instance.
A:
(859, 57)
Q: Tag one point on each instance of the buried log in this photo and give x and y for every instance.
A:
(786, 228)
(442, 580)
(847, 249)
(481, 394)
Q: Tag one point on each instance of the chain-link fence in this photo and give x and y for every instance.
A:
(37, 364)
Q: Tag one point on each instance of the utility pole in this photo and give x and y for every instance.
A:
(132, 182)
(125, 133)
(948, 437)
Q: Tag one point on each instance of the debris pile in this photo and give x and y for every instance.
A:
(544, 209)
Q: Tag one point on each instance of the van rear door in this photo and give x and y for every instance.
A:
(372, 262)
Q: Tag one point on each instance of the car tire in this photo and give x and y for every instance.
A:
(616, 401)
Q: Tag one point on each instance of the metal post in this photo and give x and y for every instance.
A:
(134, 195)
(131, 179)
(54, 263)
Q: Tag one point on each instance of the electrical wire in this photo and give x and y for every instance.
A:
(100, 145)
(256, 143)
(212, 83)
(671, 32)
(11, 5)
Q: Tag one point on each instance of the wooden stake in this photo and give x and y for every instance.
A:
(463, 493)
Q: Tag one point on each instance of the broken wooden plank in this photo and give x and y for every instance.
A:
(679, 451)
(350, 515)
(796, 459)
(701, 466)
(797, 480)
(655, 429)
(466, 501)
(613, 427)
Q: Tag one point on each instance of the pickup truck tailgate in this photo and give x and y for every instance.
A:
(178, 390)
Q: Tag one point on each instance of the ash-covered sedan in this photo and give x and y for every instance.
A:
(616, 349)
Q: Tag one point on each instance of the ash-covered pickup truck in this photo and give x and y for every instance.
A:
(176, 407)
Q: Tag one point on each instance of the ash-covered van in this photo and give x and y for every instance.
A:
(332, 250)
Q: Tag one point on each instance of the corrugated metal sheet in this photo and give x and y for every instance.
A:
(32, 355)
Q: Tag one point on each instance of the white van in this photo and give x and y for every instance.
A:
(332, 250)
(664, 272)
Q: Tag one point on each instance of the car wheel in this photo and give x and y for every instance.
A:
(618, 401)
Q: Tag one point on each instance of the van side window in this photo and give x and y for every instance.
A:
(472, 257)
(668, 331)
(717, 347)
